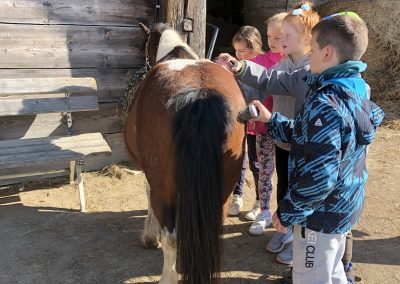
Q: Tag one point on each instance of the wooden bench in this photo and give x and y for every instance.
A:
(31, 96)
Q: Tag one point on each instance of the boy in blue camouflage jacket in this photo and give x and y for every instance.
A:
(329, 135)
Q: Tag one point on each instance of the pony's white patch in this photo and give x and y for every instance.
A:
(151, 231)
(168, 41)
(168, 244)
(179, 64)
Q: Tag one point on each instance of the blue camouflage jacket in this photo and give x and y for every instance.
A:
(329, 135)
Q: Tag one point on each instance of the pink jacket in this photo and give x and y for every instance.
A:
(267, 60)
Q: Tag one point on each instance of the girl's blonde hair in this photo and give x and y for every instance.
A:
(276, 19)
(251, 36)
(303, 20)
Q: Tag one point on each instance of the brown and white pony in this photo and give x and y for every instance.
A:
(183, 132)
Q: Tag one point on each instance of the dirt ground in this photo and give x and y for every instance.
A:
(45, 239)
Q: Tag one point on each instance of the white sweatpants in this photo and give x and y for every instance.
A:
(317, 257)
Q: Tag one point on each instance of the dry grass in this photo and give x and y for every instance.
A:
(119, 171)
(383, 53)
(390, 103)
(114, 171)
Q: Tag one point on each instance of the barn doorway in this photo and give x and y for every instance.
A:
(227, 15)
(230, 15)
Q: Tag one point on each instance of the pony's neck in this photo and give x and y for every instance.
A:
(168, 41)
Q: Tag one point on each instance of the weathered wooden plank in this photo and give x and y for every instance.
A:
(119, 154)
(111, 82)
(85, 50)
(38, 146)
(28, 126)
(104, 120)
(13, 178)
(44, 46)
(38, 151)
(26, 86)
(81, 12)
(47, 105)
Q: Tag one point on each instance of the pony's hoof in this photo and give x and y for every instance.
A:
(148, 242)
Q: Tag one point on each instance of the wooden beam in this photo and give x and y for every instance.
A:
(47, 105)
(111, 82)
(26, 86)
(21, 177)
(70, 46)
(77, 12)
(173, 13)
(197, 11)
(115, 141)
(104, 120)
(39, 151)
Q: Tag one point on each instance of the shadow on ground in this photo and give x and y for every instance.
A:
(57, 245)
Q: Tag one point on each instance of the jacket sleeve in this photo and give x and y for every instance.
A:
(280, 128)
(250, 93)
(313, 174)
(271, 81)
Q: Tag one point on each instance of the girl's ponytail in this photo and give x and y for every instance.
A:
(303, 17)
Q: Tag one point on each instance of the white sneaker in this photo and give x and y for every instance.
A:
(263, 220)
(252, 214)
(236, 205)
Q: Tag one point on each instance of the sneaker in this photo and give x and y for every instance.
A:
(236, 205)
(278, 241)
(286, 256)
(263, 220)
(252, 214)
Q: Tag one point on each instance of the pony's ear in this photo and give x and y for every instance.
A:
(145, 29)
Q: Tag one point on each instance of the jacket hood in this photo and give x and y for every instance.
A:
(352, 90)
(367, 115)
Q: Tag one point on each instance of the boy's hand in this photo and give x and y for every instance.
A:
(277, 224)
(229, 62)
(263, 113)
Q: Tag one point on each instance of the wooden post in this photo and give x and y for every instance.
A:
(79, 180)
(173, 12)
(71, 172)
(196, 10)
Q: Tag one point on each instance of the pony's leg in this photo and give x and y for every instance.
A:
(168, 243)
(151, 231)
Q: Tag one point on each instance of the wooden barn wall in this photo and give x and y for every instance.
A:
(78, 38)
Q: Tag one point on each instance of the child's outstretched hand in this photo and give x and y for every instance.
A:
(277, 224)
(263, 113)
(229, 62)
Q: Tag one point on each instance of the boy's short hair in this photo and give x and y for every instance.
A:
(276, 19)
(347, 34)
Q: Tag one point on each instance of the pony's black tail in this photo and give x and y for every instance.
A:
(200, 126)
